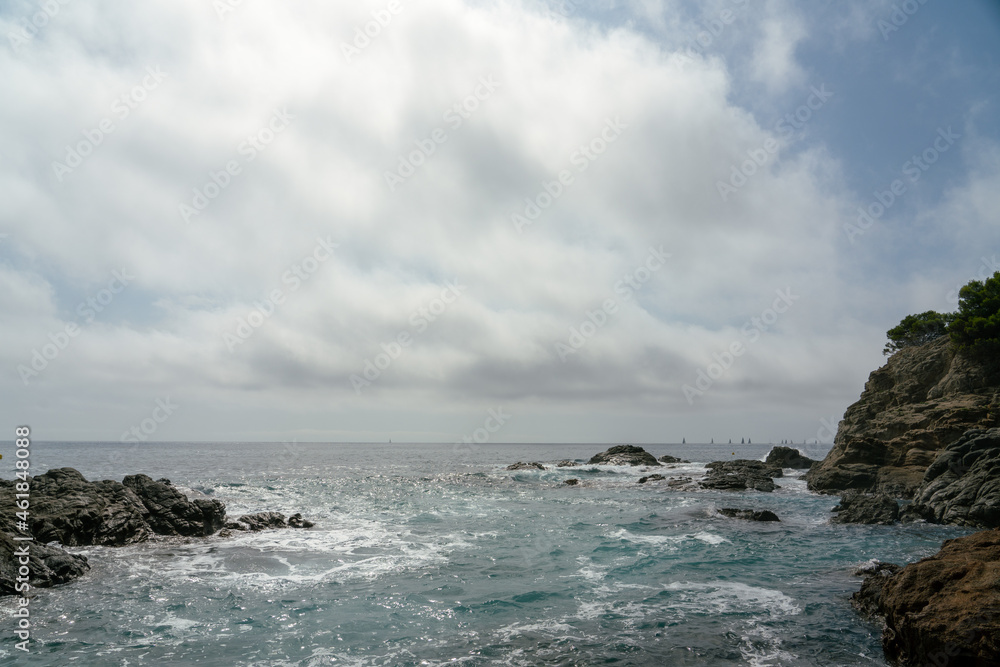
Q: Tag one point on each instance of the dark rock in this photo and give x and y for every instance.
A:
(525, 466)
(749, 515)
(922, 400)
(651, 478)
(572, 482)
(567, 464)
(962, 485)
(49, 566)
(943, 610)
(666, 458)
(259, 521)
(68, 509)
(741, 474)
(786, 457)
(296, 521)
(171, 513)
(866, 508)
(624, 455)
(679, 482)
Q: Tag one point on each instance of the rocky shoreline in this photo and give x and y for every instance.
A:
(69, 510)
(942, 610)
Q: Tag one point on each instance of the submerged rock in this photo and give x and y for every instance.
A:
(943, 610)
(866, 508)
(749, 515)
(624, 455)
(651, 478)
(962, 486)
(667, 458)
(572, 482)
(526, 466)
(787, 457)
(741, 474)
(259, 521)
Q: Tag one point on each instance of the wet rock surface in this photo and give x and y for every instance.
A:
(866, 508)
(741, 474)
(520, 465)
(943, 610)
(624, 455)
(787, 457)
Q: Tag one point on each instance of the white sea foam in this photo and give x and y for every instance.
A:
(727, 597)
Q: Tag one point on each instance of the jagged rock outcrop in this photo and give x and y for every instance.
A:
(267, 520)
(567, 463)
(651, 478)
(68, 509)
(749, 515)
(787, 457)
(48, 566)
(624, 455)
(962, 486)
(741, 474)
(526, 466)
(667, 458)
(867, 508)
(171, 513)
(943, 610)
(922, 400)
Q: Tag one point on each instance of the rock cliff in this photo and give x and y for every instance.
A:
(912, 408)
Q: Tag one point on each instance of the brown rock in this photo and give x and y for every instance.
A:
(943, 610)
(922, 400)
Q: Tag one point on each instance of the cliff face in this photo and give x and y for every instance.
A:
(911, 409)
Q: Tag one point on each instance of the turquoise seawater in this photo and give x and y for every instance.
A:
(437, 555)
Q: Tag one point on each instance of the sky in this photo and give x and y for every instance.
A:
(491, 220)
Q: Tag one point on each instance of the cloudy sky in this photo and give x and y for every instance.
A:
(610, 221)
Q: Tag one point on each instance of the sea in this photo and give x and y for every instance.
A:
(436, 554)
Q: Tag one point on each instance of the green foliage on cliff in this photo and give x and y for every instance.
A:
(976, 326)
(974, 329)
(917, 330)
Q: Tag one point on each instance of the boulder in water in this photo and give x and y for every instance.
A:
(624, 455)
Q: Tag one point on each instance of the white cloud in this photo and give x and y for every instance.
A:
(560, 83)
